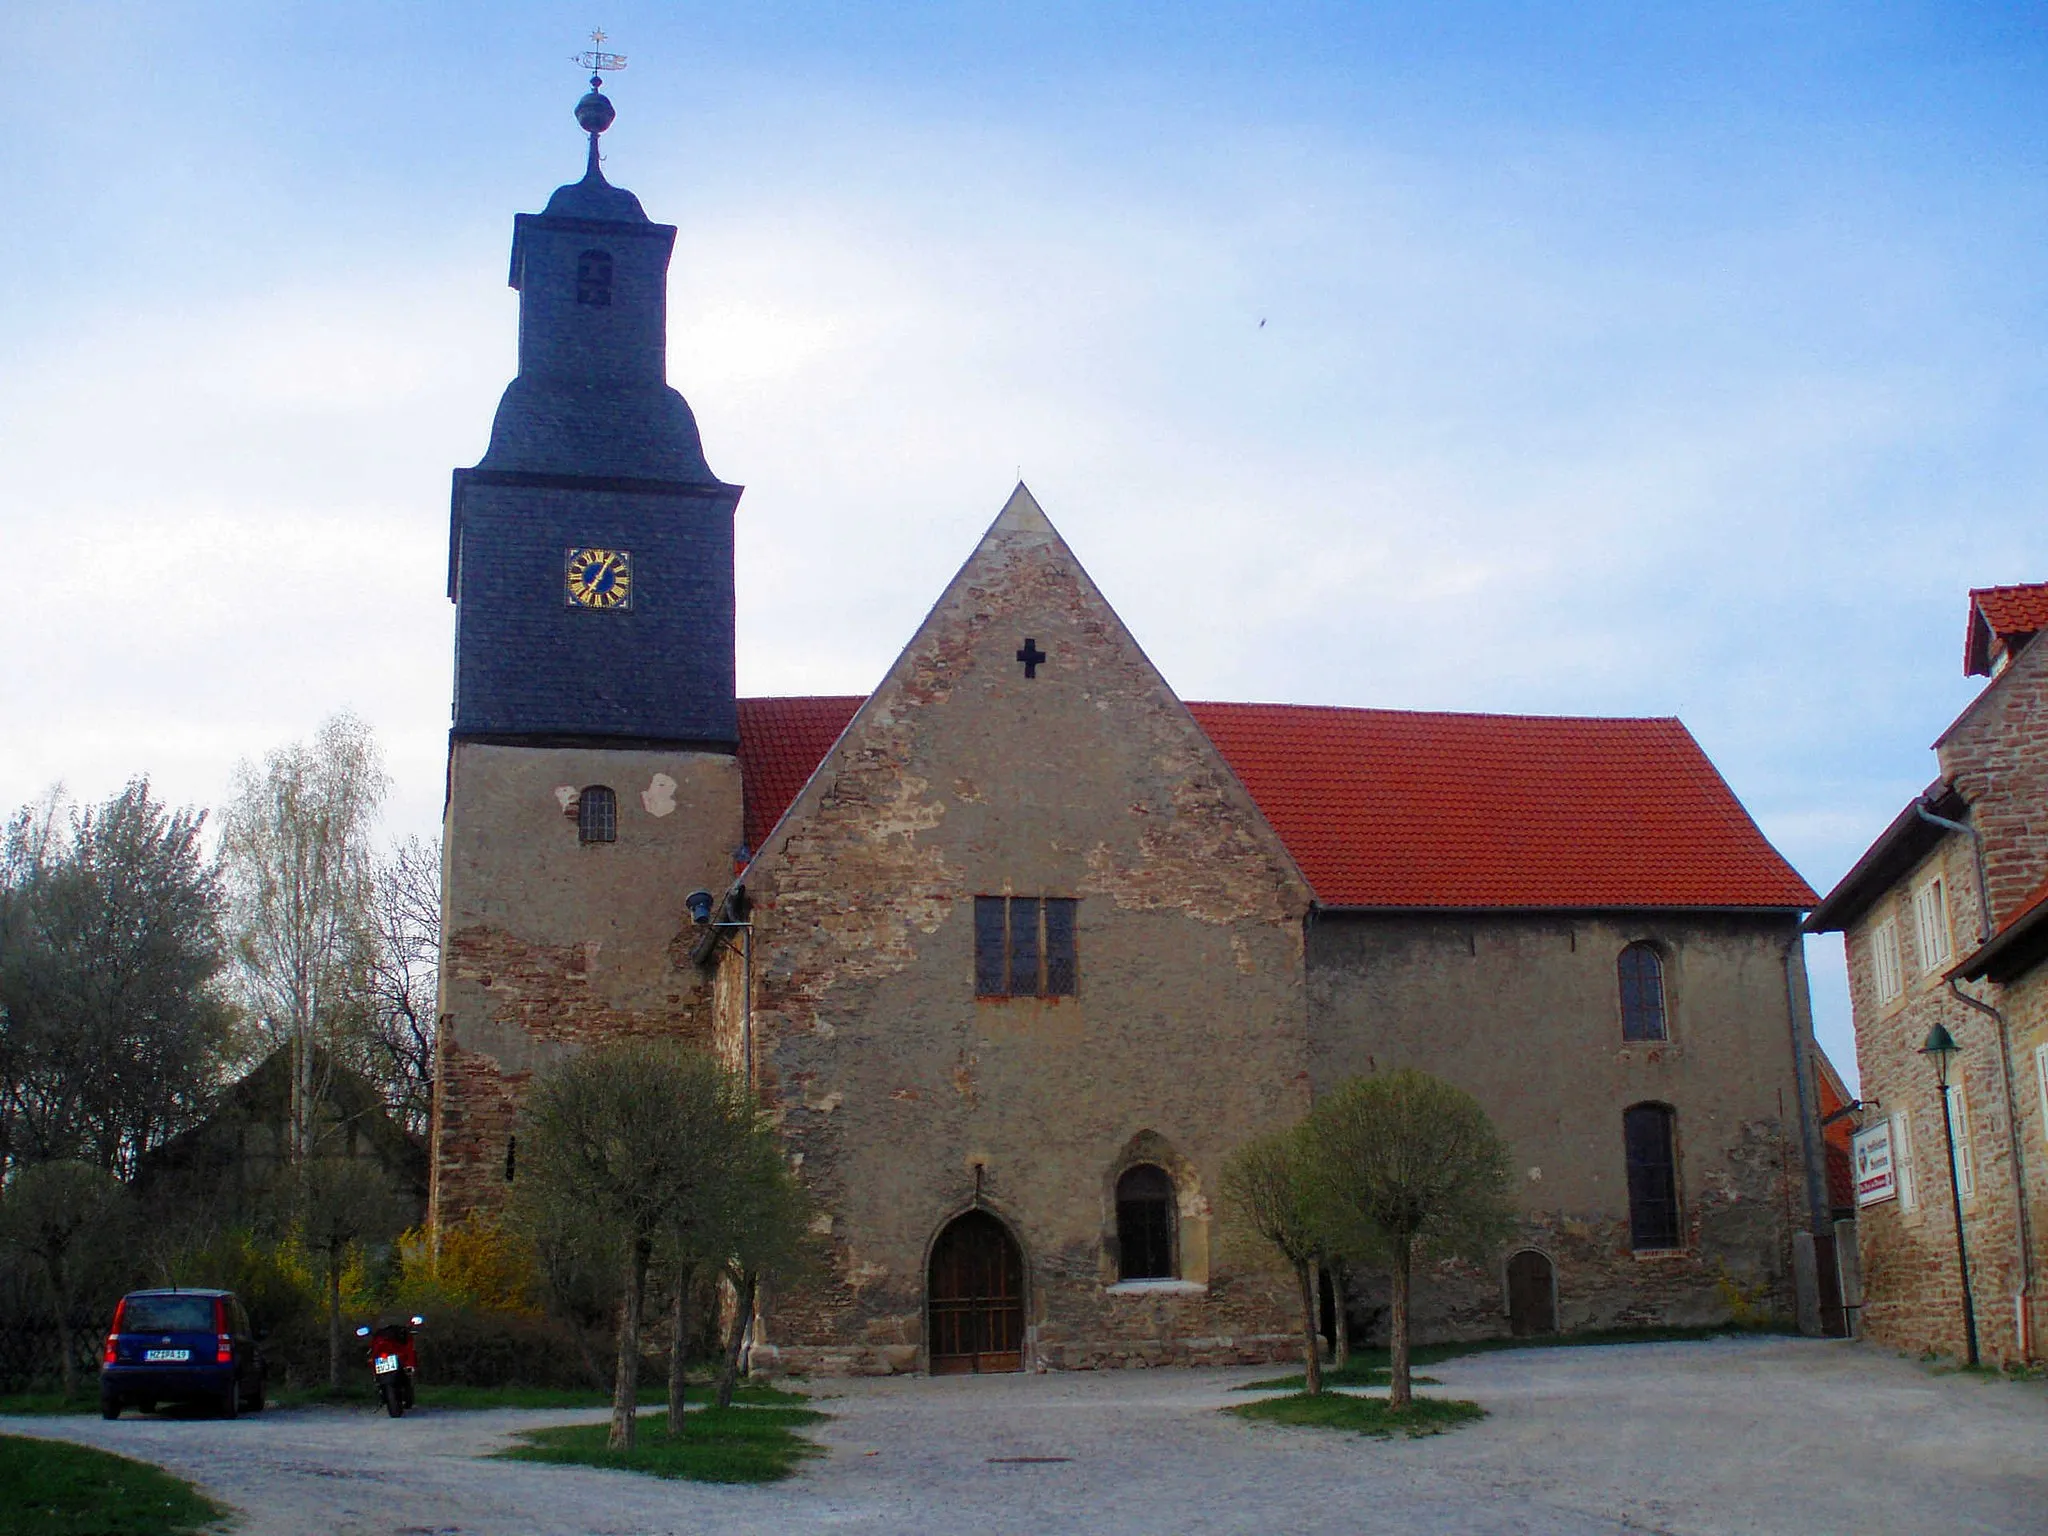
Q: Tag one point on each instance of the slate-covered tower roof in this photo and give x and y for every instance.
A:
(592, 450)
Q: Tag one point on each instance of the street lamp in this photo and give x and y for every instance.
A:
(1941, 1047)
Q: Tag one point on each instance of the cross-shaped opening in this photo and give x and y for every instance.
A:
(1031, 656)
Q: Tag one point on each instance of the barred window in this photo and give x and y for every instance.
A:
(597, 815)
(1024, 946)
(1144, 1224)
(1642, 993)
(594, 278)
(1652, 1176)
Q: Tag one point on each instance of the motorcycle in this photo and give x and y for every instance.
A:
(394, 1362)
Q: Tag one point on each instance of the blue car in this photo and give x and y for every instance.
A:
(180, 1347)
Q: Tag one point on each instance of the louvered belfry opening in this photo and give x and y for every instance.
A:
(976, 1298)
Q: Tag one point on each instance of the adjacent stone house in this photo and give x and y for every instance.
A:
(1020, 947)
(1944, 922)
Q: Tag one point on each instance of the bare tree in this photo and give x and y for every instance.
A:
(402, 979)
(636, 1137)
(112, 1027)
(1411, 1166)
(1272, 1184)
(296, 848)
(340, 1202)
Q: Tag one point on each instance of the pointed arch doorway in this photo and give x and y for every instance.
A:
(974, 1298)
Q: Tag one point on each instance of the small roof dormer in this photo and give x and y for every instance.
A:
(2002, 621)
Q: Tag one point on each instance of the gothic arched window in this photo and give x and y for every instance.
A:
(594, 278)
(597, 815)
(1144, 1224)
(1652, 1175)
(1642, 993)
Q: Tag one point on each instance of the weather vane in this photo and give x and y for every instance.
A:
(597, 61)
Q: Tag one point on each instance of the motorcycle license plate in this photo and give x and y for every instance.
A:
(386, 1364)
(167, 1354)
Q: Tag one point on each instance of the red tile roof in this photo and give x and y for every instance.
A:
(1387, 808)
(2001, 615)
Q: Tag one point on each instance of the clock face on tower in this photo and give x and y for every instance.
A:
(599, 578)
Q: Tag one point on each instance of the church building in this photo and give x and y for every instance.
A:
(1020, 946)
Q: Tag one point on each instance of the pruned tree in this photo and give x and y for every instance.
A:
(296, 849)
(641, 1138)
(65, 1222)
(771, 1241)
(112, 1025)
(340, 1202)
(1410, 1167)
(1273, 1187)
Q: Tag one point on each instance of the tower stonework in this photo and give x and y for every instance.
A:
(592, 777)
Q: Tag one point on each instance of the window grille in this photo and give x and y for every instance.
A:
(597, 815)
(1652, 1176)
(1884, 961)
(1144, 1224)
(1024, 946)
(1930, 922)
(1642, 993)
(594, 278)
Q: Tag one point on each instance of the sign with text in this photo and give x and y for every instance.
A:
(1876, 1176)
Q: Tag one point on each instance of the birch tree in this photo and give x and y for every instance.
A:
(296, 850)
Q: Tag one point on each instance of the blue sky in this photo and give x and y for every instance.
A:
(1616, 359)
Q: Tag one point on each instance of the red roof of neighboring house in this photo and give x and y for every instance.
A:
(1389, 808)
(1999, 616)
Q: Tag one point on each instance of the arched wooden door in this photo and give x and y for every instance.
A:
(976, 1298)
(1532, 1294)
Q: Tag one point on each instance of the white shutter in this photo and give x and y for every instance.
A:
(1902, 1158)
(2041, 1072)
(1959, 1122)
(1884, 960)
(1930, 920)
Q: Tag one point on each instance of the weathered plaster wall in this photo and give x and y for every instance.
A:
(906, 1099)
(1522, 1010)
(551, 944)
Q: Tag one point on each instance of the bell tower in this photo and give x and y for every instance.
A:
(592, 779)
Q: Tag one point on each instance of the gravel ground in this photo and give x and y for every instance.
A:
(1726, 1436)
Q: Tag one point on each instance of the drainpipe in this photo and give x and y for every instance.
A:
(1809, 1108)
(2024, 1302)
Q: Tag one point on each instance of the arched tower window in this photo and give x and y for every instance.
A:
(597, 815)
(1642, 993)
(594, 278)
(1144, 1224)
(1652, 1175)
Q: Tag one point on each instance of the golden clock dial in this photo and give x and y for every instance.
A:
(600, 578)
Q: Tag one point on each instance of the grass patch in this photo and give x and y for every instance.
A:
(1371, 1367)
(719, 1445)
(39, 1403)
(53, 1488)
(1362, 1415)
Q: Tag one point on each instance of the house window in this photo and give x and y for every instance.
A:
(1959, 1127)
(2041, 1076)
(1652, 1176)
(594, 278)
(1884, 961)
(1642, 993)
(1144, 1224)
(1902, 1158)
(1930, 923)
(597, 815)
(1024, 946)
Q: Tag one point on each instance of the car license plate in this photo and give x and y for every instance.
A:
(386, 1364)
(167, 1354)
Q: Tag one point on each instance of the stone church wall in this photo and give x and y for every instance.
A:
(553, 945)
(909, 1100)
(1523, 1012)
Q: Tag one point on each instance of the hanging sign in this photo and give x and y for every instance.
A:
(1877, 1177)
